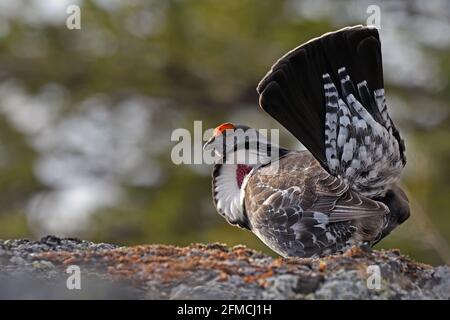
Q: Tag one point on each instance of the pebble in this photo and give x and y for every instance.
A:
(17, 260)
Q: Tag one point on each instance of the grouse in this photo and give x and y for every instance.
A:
(342, 190)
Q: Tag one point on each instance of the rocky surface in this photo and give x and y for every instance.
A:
(37, 269)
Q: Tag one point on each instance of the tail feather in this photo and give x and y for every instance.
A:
(329, 94)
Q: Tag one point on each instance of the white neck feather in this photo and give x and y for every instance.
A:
(227, 193)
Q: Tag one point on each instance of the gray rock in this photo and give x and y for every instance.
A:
(344, 285)
(441, 283)
(37, 269)
(282, 287)
(216, 291)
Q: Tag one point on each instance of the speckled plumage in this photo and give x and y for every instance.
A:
(357, 147)
(298, 209)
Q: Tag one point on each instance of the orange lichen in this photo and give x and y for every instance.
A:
(322, 265)
(168, 263)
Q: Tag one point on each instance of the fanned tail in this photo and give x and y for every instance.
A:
(329, 94)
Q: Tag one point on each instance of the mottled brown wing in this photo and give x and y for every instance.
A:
(298, 209)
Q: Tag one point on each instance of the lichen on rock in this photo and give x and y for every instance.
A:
(37, 269)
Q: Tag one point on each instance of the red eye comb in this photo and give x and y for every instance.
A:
(220, 129)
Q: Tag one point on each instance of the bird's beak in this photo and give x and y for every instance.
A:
(213, 144)
(209, 144)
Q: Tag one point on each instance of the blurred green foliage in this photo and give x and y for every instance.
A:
(194, 60)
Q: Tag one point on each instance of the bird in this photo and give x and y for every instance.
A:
(343, 189)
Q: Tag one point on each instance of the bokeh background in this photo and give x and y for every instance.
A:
(86, 115)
